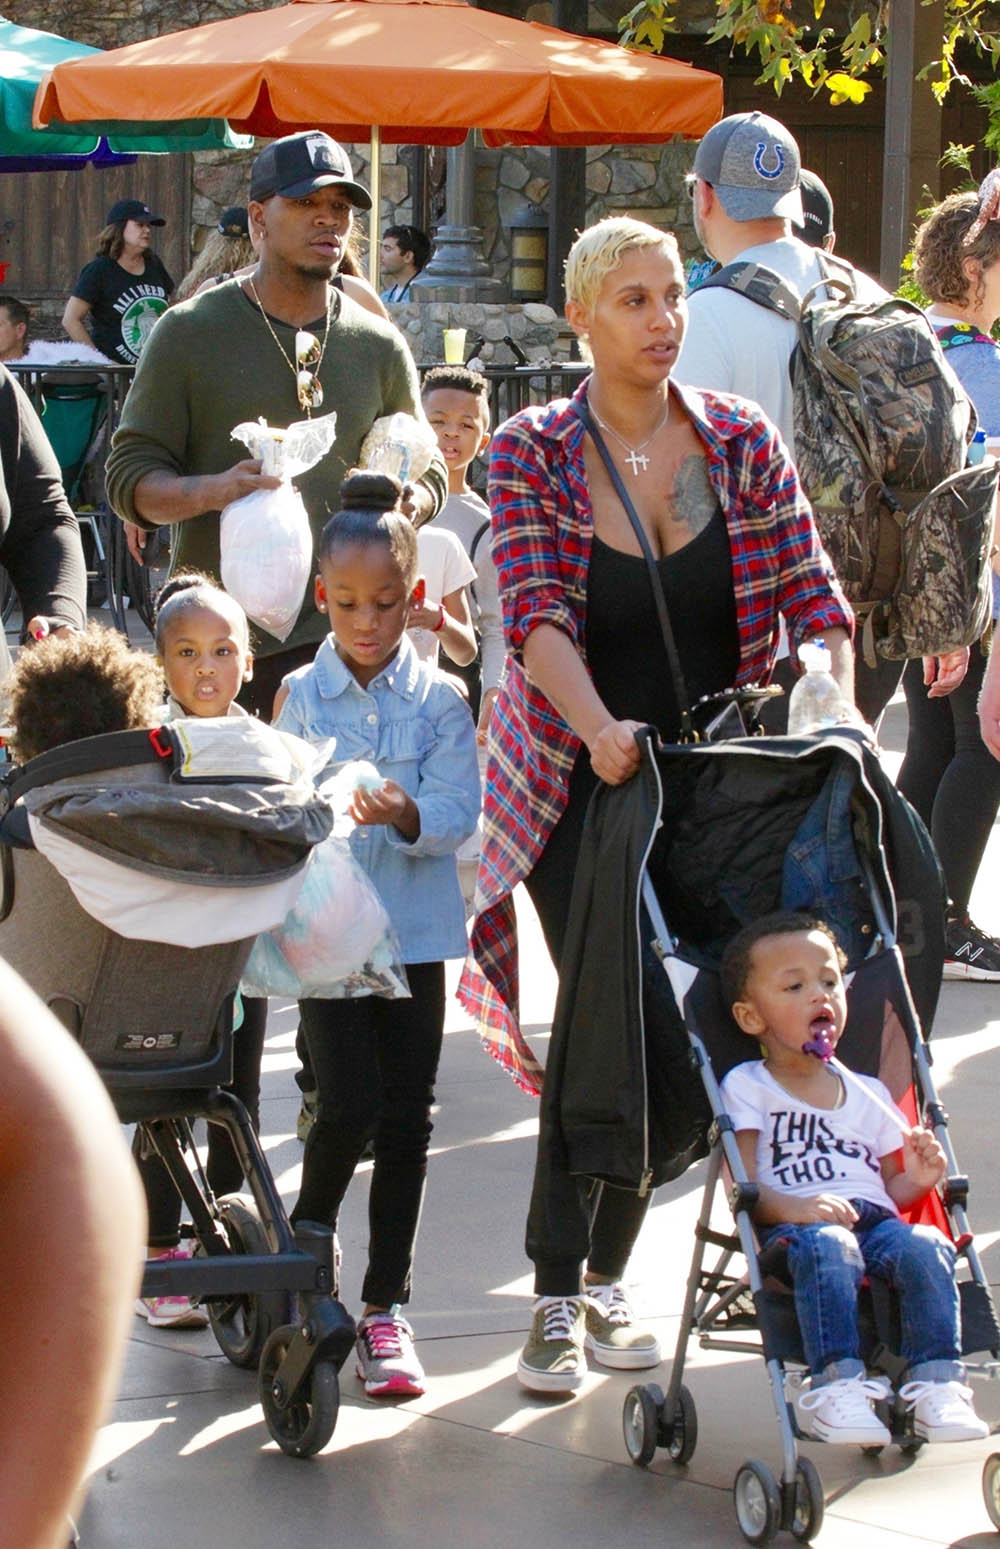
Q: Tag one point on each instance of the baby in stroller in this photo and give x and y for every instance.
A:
(834, 1163)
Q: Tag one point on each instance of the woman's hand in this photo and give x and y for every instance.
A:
(943, 674)
(615, 755)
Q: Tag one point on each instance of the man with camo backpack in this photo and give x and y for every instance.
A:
(741, 338)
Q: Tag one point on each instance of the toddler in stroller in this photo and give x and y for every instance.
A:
(812, 825)
(823, 1147)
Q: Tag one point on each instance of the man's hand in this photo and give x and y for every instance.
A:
(943, 674)
(241, 479)
(135, 540)
(417, 503)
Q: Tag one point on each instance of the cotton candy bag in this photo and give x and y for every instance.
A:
(338, 942)
(266, 547)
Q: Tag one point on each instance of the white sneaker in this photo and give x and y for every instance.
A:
(942, 1411)
(842, 1411)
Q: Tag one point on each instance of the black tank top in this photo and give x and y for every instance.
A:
(625, 650)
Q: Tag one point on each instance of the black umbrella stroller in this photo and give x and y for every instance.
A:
(708, 837)
(104, 844)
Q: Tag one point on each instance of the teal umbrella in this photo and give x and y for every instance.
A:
(26, 56)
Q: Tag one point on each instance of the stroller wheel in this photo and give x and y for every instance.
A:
(641, 1422)
(757, 1502)
(304, 1426)
(682, 1433)
(809, 1503)
(991, 1488)
(240, 1323)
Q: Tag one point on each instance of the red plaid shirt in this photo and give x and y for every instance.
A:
(542, 532)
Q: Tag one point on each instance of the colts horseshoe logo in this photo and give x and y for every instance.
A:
(758, 160)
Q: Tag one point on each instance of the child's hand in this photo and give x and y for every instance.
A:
(485, 711)
(821, 1207)
(924, 1161)
(389, 805)
(427, 615)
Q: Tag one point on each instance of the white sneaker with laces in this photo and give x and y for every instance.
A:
(942, 1411)
(386, 1359)
(842, 1411)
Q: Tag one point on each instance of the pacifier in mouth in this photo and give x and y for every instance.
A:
(822, 1042)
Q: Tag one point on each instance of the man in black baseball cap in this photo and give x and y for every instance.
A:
(299, 164)
(817, 212)
(133, 210)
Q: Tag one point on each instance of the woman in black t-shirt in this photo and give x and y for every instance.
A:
(124, 289)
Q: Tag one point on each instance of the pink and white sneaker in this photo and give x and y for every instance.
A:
(387, 1362)
(171, 1311)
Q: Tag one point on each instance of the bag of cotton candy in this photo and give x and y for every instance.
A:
(338, 942)
(266, 547)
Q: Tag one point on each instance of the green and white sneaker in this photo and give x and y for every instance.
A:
(613, 1336)
(553, 1360)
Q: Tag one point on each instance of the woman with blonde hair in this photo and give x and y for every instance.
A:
(227, 251)
(732, 538)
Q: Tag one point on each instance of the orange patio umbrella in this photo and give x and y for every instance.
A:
(400, 71)
(421, 71)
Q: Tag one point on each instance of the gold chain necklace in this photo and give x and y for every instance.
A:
(307, 384)
(634, 453)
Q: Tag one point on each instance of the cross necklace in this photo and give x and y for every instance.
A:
(635, 456)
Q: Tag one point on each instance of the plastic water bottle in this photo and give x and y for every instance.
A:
(977, 448)
(815, 701)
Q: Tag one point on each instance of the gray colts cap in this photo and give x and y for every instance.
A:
(753, 164)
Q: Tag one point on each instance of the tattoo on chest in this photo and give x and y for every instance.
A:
(692, 502)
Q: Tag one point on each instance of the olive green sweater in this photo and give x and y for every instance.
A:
(211, 364)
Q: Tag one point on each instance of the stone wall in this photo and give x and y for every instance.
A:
(537, 331)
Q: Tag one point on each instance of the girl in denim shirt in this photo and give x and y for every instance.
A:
(375, 1060)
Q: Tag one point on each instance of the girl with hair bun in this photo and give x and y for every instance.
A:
(375, 1060)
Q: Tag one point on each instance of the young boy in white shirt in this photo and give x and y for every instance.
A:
(834, 1171)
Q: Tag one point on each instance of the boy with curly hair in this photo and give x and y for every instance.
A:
(62, 689)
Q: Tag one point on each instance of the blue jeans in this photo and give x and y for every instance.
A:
(827, 1264)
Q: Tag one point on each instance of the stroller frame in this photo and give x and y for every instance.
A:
(733, 1312)
(271, 1292)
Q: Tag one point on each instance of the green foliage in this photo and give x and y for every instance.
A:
(803, 48)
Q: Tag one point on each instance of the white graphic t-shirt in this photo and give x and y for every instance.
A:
(803, 1150)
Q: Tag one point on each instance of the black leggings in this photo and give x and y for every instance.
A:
(572, 1220)
(223, 1170)
(375, 1063)
(950, 776)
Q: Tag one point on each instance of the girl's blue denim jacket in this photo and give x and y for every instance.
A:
(413, 724)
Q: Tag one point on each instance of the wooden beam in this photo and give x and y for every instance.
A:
(568, 186)
(912, 128)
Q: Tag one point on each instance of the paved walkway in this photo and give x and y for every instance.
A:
(186, 1459)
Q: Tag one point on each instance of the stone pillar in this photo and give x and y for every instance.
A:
(458, 271)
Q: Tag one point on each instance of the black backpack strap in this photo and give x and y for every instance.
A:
(473, 546)
(89, 755)
(687, 733)
(758, 284)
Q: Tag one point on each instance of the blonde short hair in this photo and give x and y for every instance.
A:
(600, 249)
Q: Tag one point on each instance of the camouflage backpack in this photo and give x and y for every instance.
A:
(882, 428)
